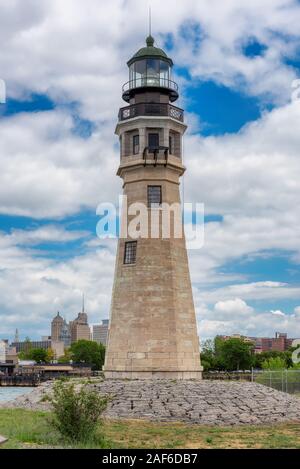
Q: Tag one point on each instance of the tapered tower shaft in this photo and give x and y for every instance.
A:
(153, 330)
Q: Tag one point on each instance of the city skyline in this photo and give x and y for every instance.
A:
(58, 158)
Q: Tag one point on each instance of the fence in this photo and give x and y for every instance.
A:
(282, 380)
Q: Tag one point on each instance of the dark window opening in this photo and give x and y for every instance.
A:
(154, 196)
(171, 144)
(153, 141)
(130, 252)
(136, 144)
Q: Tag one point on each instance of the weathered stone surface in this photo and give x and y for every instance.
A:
(153, 333)
(197, 402)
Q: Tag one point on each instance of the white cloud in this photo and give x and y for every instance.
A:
(232, 308)
(235, 316)
(77, 51)
(47, 233)
(46, 171)
(33, 288)
(277, 312)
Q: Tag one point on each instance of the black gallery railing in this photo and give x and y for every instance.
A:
(150, 81)
(151, 109)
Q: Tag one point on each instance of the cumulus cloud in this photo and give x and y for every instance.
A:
(235, 316)
(232, 308)
(76, 52)
(48, 171)
(47, 233)
(34, 287)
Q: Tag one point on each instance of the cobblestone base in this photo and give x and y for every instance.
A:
(198, 402)
(202, 402)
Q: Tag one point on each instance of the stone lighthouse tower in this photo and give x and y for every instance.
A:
(152, 325)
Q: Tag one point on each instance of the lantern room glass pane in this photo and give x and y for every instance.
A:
(140, 72)
(152, 72)
(164, 73)
(149, 72)
(131, 73)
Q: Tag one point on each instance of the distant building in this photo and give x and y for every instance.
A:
(279, 343)
(80, 330)
(17, 336)
(55, 345)
(11, 355)
(27, 345)
(2, 351)
(56, 327)
(65, 334)
(58, 348)
(100, 332)
(60, 330)
(8, 354)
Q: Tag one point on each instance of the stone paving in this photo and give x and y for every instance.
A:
(198, 402)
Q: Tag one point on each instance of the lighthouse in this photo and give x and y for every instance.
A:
(152, 333)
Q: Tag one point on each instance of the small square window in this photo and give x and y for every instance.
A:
(130, 252)
(154, 196)
(136, 144)
(153, 141)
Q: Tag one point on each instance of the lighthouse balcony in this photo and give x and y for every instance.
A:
(151, 109)
(153, 82)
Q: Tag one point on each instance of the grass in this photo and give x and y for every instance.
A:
(30, 429)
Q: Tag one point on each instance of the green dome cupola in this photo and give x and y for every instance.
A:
(150, 52)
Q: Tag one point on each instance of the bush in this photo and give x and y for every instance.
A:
(76, 413)
(275, 363)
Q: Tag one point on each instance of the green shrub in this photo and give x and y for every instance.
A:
(274, 363)
(76, 413)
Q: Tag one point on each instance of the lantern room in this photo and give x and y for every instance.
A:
(150, 69)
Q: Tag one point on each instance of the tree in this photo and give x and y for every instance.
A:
(89, 352)
(67, 356)
(39, 355)
(208, 359)
(260, 358)
(233, 354)
(50, 355)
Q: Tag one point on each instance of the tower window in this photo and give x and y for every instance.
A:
(136, 144)
(153, 141)
(154, 196)
(130, 252)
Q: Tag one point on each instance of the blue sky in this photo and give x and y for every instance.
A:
(59, 156)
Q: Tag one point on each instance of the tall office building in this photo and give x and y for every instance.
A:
(100, 332)
(56, 327)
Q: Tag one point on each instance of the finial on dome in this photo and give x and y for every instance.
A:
(150, 41)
